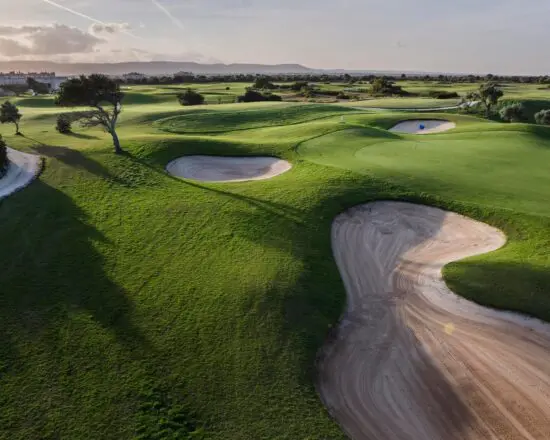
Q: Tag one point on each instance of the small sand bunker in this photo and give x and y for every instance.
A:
(227, 169)
(418, 126)
(22, 170)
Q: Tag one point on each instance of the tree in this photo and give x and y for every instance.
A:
(263, 82)
(63, 124)
(9, 113)
(384, 87)
(490, 94)
(543, 117)
(3, 157)
(513, 112)
(94, 91)
(38, 87)
(190, 97)
(255, 96)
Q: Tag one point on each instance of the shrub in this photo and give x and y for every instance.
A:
(228, 88)
(442, 94)
(3, 157)
(385, 87)
(513, 112)
(543, 117)
(255, 96)
(63, 124)
(298, 86)
(263, 83)
(342, 95)
(190, 97)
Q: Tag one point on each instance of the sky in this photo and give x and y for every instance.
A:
(478, 36)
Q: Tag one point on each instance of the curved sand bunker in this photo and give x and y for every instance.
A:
(413, 361)
(22, 170)
(227, 169)
(414, 126)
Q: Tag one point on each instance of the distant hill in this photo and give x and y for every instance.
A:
(149, 68)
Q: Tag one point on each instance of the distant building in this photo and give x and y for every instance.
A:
(134, 76)
(20, 78)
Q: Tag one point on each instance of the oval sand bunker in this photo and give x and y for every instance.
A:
(227, 169)
(418, 126)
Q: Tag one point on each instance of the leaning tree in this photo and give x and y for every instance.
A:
(99, 92)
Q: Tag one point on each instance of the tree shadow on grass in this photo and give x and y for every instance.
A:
(81, 135)
(51, 272)
(76, 159)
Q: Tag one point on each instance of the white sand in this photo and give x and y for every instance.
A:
(227, 169)
(410, 360)
(22, 170)
(430, 126)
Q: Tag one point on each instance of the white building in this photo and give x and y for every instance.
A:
(20, 78)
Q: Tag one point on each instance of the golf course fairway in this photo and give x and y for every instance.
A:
(137, 305)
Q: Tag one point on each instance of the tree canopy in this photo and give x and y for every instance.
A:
(513, 113)
(490, 94)
(543, 117)
(190, 97)
(9, 114)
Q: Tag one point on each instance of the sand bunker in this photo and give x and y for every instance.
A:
(410, 359)
(22, 170)
(427, 126)
(227, 169)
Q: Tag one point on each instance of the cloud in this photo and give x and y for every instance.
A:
(109, 28)
(46, 40)
(13, 30)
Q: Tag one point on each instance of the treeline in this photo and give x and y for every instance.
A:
(185, 77)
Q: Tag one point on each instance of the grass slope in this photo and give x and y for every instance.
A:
(136, 305)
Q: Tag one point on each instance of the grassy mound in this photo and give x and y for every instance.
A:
(270, 115)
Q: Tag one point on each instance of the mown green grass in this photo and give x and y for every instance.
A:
(137, 305)
(222, 121)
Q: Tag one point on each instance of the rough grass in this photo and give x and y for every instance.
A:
(137, 305)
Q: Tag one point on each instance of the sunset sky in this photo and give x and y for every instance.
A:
(498, 36)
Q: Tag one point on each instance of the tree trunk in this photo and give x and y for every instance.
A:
(17, 128)
(116, 143)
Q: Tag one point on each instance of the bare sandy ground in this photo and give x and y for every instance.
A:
(227, 169)
(410, 360)
(22, 170)
(431, 126)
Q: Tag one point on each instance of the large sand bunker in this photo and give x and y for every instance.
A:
(227, 169)
(22, 169)
(410, 359)
(417, 126)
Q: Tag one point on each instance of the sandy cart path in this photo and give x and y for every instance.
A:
(410, 359)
